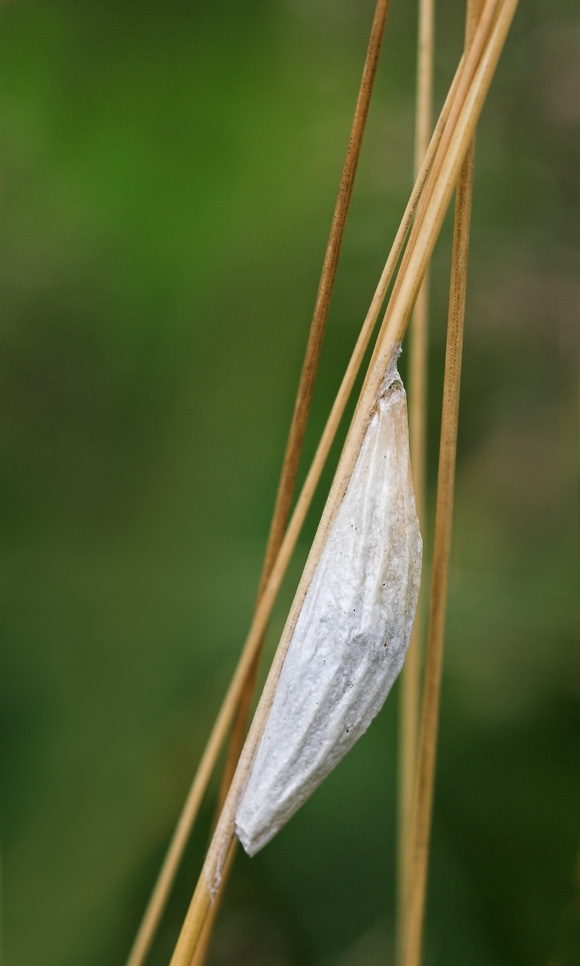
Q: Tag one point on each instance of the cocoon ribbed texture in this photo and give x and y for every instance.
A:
(352, 632)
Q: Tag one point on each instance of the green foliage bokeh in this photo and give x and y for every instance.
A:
(167, 179)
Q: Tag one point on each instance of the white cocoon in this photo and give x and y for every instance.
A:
(352, 632)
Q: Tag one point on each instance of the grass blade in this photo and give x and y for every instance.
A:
(479, 67)
(302, 406)
(168, 871)
(417, 852)
(409, 691)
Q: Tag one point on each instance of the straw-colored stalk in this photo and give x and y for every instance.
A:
(302, 408)
(272, 586)
(410, 677)
(168, 871)
(479, 67)
(418, 854)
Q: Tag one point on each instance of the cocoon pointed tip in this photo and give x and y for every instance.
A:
(353, 630)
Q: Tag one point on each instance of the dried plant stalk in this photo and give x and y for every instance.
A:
(270, 590)
(465, 87)
(310, 366)
(417, 856)
(303, 400)
(286, 486)
(392, 331)
(409, 692)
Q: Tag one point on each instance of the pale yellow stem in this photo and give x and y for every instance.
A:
(168, 871)
(480, 65)
(409, 691)
(418, 845)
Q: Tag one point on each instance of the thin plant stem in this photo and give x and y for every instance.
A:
(286, 486)
(417, 855)
(392, 331)
(302, 407)
(239, 691)
(270, 590)
(272, 585)
(305, 389)
(464, 83)
(410, 677)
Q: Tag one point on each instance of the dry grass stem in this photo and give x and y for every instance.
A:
(302, 406)
(410, 677)
(392, 331)
(417, 854)
(465, 75)
(303, 503)
(310, 365)
(286, 486)
(270, 590)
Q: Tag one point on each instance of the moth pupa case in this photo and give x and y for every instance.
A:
(353, 630)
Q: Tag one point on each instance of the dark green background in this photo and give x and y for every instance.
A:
(167, 178)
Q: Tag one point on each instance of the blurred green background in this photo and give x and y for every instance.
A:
(167, 179)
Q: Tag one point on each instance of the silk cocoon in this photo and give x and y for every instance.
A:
(352, 633)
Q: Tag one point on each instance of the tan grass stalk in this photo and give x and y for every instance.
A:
(464, 77)
(392, 331)
(302, 406)
(270, 590)
(286, 486)
(418, 852)
(409, 693)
